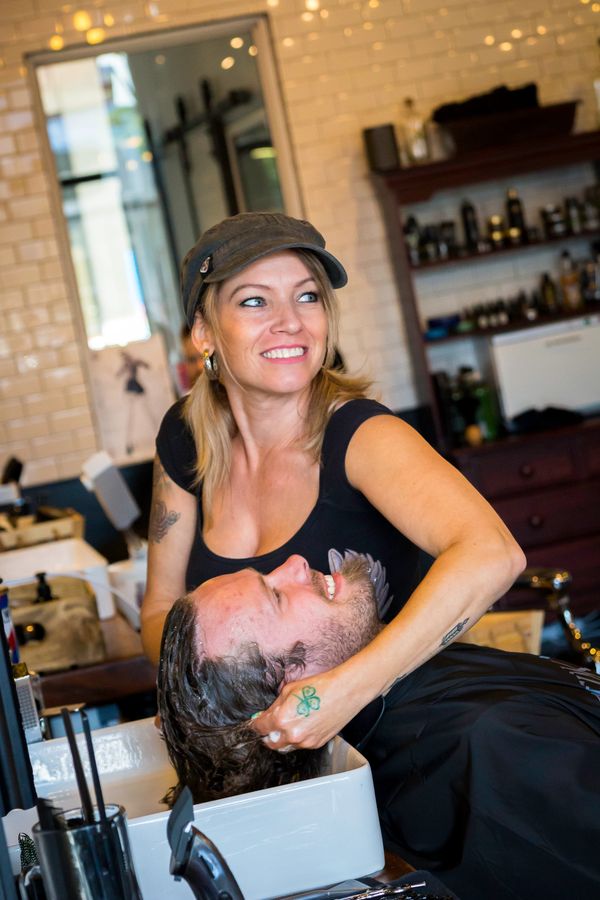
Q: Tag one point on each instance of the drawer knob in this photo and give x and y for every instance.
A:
(536, 521)
(526, 471)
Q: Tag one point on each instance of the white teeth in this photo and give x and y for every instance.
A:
(330, 586)
(376, 573)
(283, 353)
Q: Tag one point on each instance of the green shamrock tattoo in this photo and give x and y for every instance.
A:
(308, 701)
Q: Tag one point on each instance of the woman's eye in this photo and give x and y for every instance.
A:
(308, 297)
(253, 301)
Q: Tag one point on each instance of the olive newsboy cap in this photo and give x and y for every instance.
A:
(236, 242)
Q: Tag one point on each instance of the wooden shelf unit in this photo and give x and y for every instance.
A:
(546, 485)
(419, 183)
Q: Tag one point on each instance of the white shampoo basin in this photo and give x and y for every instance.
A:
(276, 841)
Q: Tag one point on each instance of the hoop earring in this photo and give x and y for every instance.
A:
(211, 366)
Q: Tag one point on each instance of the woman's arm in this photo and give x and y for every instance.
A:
(428, 500)
(476, 561)
(170, 537)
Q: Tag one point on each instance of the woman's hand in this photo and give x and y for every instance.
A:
(310, 712)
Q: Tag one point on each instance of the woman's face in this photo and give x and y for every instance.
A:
(272, 326)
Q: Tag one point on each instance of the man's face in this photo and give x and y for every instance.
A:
(335, 615)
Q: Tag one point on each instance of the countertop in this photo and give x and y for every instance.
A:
(124, 672)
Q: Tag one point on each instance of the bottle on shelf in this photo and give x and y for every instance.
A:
(467, 321)
(466, 408)
(555, 224)
(569, 283)
(549, 295)
(535, 300)
(446, 393)
(447, 232)
(482, 319)
(515, 313)
(412, 235)
(456, 413)
(529, 309)
(590, 280)
(429, 248)
(492, 312)
(443, 248)
(515, 218)
(574, 217)
(590, 214)
(488, 414)
(414, 133)
(470, 226)
(502, 312)
(478, 407)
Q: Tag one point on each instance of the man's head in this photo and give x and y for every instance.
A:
(230, 645)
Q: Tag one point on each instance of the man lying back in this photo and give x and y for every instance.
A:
(486, 764)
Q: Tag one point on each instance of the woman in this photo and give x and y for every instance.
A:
(273, 454)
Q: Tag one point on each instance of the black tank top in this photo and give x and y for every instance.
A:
(341, 518)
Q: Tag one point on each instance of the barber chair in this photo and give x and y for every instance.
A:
(551, 587)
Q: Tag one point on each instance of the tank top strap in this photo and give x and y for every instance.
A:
(338, 433)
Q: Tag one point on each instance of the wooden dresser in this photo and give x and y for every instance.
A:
(546, 487)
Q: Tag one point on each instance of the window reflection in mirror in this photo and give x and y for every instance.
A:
(153, 144)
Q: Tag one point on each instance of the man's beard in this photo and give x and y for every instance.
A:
(356, 622)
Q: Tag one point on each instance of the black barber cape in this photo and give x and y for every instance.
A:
(486, 767)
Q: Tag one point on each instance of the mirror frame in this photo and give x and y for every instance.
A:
(258, 26)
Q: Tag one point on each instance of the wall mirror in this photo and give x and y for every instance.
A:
(154, 139)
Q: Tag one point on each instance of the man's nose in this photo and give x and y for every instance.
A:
(295, 569)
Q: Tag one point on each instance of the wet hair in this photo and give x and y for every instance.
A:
(205, 706)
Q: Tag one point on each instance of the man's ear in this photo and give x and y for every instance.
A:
(201, 335)
(294, 663)
(293, 672)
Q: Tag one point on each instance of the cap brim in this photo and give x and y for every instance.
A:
(333, 267)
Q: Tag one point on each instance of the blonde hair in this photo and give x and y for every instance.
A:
(208, 414)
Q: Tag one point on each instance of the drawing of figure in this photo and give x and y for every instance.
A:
(137, 399)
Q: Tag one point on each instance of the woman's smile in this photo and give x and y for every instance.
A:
(285, 354)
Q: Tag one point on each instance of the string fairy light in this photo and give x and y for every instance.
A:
(82, 20)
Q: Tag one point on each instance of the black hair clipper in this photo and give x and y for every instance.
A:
(195, 858)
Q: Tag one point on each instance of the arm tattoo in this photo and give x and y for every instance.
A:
(309, 701)
(161, 519)
(453, 632)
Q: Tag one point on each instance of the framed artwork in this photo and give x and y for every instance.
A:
(133, 388)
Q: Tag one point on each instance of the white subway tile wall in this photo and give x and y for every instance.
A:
(344, 66)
